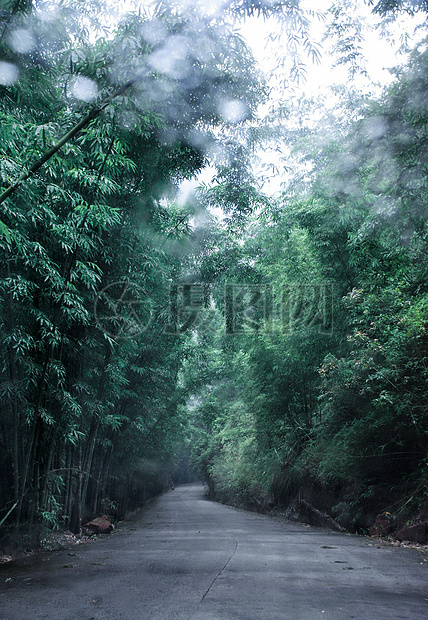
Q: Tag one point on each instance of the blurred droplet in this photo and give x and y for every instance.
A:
(186, 190)
(153, 32)
(232, 111)
(22, 41)
(171, 59)
(84, 88)
(8, 73)
(198, 138)
(375, 127)
(47, 13)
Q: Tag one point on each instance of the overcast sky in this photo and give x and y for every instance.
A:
(380, 53)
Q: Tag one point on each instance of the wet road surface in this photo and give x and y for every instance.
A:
(186, 558)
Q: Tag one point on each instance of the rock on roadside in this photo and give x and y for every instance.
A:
(415, 533)
(100, 525)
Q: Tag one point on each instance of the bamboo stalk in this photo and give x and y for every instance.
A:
(93, 114)
(8, 513)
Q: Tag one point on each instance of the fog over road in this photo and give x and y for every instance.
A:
(187, 558)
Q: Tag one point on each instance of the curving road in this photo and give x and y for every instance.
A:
(186, 558)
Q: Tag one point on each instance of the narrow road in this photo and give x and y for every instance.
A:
(186, 558)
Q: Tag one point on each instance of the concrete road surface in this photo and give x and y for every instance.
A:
(187, 558)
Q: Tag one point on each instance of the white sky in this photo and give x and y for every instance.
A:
(380, 52)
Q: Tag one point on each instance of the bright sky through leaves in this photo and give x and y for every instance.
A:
(380, 50)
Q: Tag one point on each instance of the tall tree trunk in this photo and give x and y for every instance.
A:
(68, 483)
(32, 436)
(93, 430)
(45, 492)
(76, 517)
(13, 401)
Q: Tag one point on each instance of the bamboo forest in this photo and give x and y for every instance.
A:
(208, 271)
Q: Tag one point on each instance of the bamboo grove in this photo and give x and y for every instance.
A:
(90, 243)
(320, 393)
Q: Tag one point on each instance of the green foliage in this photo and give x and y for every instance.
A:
(385, 7)
(90, 245)
(341, 418)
